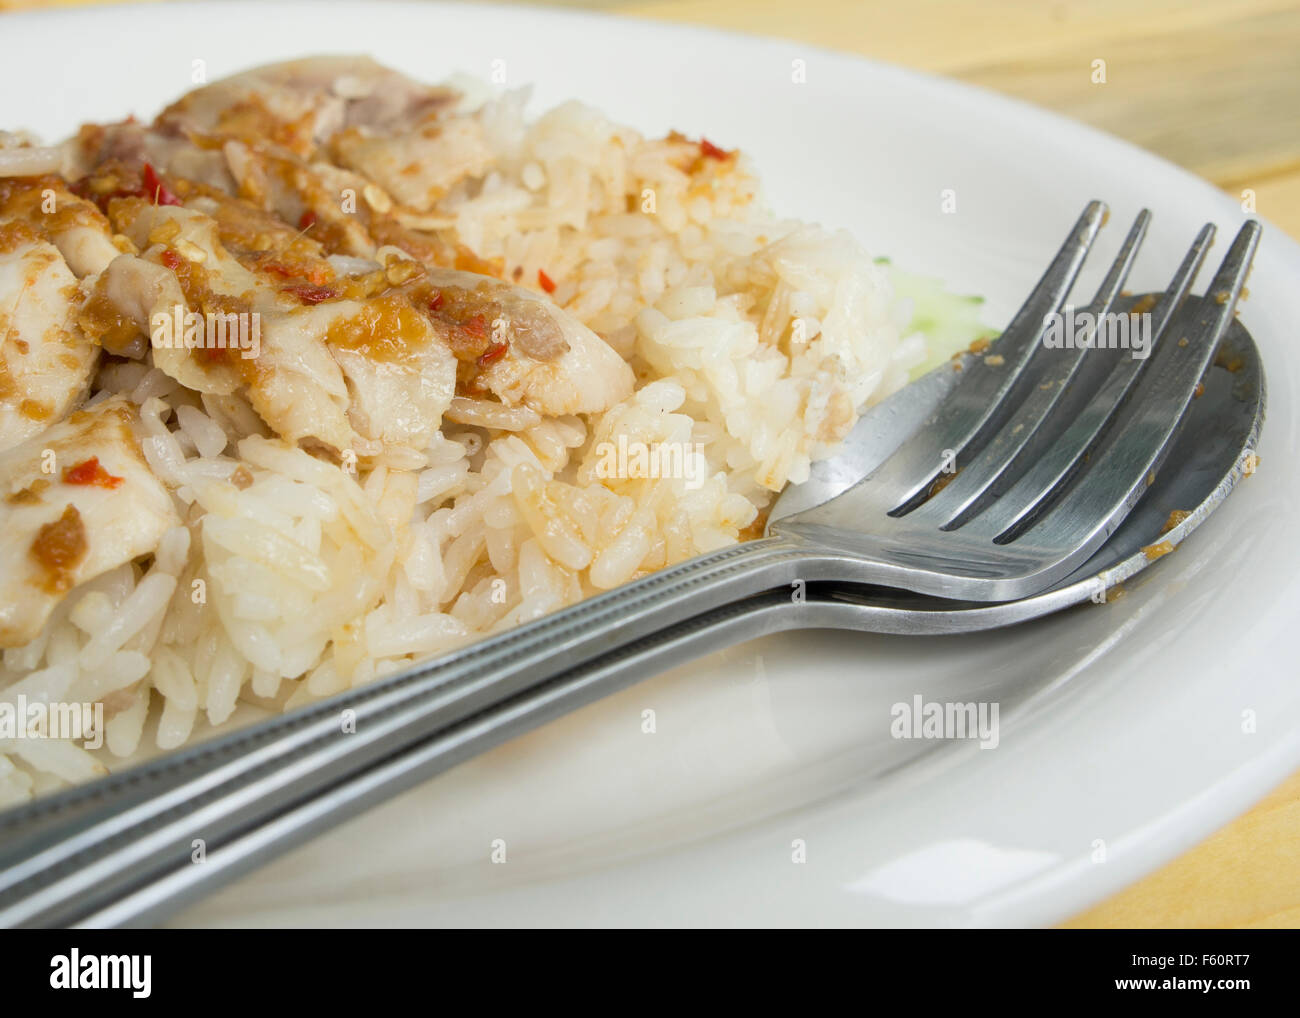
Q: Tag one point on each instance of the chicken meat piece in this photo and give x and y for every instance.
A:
(282, 125)
(527, 350)
(285, 372)
(68, 221)
(353, 353)
(416, 166)
(75, 502)
(46, 362)
(341, 375)
(128, 144)
(300, 105)
(339, 142)
(22, 155)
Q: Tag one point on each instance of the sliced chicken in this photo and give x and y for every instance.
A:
(122, 302)
(527, 350)
(340, 145)
(340, 375)
(46, 362)
(288, 374)
(75, 502)
(416, 166)
(354, 353)
(400, 372)
(301, 104)
(21, 155)
(73, 224)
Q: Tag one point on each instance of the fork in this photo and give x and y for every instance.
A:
(1038, 454)
(1022, 506)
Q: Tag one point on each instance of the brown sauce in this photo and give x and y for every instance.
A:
(59, 547)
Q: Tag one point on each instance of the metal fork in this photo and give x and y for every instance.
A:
(1044, 451)
(120, 848)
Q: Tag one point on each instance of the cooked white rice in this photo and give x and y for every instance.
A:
(310, 579)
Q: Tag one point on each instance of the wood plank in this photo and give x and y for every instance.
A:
(1212, 87)
(948, 36)
(1245, 875)
(1223, 101)
(1277, 199)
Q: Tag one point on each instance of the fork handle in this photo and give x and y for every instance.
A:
(287, 817)
(73, 854)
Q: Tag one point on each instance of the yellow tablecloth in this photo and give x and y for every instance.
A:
(1212, 86)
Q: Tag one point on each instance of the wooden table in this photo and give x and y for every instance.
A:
(1212, 86)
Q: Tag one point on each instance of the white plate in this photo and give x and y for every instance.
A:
(1122, 725)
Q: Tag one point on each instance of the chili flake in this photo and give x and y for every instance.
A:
(155, 190)
(309, 294)
(494, 353)
(710, 150)
(89, 472)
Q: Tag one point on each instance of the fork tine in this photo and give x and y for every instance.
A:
(1111, 286)
(1050, 292)
(1016, 508)
(1137, 434)
(975, 405)
(1040, 418)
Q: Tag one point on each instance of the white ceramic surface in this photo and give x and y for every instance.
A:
(1121, 725)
